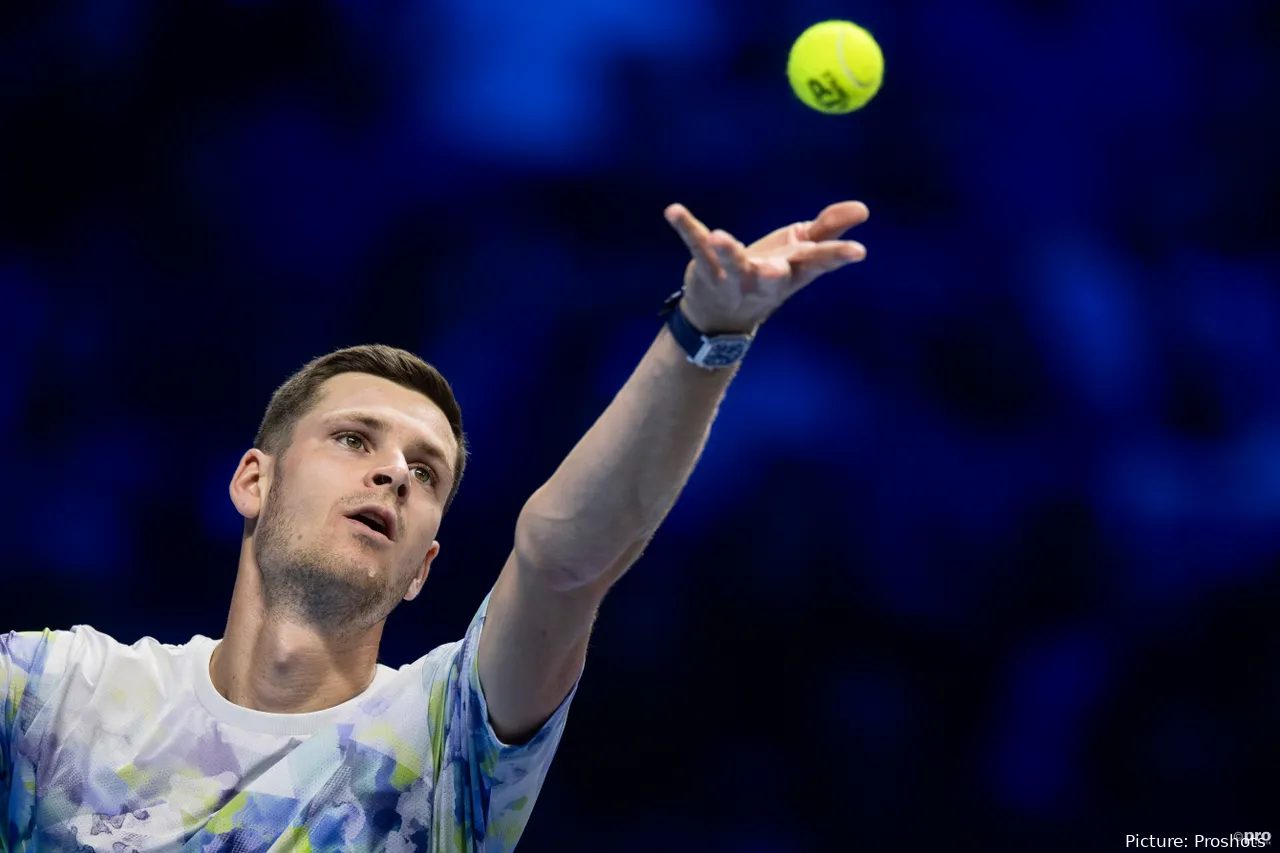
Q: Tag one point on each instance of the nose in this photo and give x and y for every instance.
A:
(396, 476)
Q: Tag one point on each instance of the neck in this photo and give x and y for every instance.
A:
(270, 662)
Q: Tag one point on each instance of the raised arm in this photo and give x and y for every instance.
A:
(585, 526)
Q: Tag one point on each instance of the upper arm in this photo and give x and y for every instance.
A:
(532, 648)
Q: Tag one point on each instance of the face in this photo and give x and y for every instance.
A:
(348, 517)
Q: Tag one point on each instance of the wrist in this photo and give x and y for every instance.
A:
(703, 344)
(709, 327)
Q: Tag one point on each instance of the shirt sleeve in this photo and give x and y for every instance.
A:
(494, 783)
(24, 658)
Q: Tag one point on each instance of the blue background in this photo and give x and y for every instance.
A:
(984, 544)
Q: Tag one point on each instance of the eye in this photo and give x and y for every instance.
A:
(425, 475)
(351, 440)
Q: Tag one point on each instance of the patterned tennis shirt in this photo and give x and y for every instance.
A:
(114, 748)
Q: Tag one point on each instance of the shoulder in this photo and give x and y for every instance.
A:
(50, 650)
(51, 654)
(445, 663)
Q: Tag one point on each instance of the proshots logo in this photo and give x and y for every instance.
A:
(1236, 839)
(1251, 839)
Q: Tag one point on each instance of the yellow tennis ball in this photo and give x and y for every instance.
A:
(835, 67)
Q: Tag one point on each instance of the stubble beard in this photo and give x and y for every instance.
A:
(305, 583)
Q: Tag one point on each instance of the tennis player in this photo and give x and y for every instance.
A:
(286, 733)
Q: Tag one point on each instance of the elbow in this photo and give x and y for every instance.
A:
(565, 551)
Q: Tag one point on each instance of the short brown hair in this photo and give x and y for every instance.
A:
(300, 393)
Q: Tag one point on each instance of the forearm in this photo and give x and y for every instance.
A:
(604, 502)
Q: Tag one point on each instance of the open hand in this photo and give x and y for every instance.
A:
(731, 288)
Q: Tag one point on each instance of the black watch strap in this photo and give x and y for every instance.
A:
(688, 337)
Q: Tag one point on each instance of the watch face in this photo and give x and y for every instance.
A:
(725, 352)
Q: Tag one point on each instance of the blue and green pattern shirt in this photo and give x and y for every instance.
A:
(107, 747)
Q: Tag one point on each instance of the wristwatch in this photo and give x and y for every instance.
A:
(707, 351)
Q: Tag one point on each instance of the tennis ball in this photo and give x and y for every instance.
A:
(835, 67)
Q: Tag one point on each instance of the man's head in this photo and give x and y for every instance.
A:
(357, 458)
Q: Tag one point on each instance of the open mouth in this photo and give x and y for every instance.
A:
(373, 521)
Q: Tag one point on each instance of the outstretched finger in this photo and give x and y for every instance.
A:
(694, 234)
(829, 256)
(836, 219)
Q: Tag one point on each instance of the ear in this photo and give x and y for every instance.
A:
(249, 483)
(421, 578)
